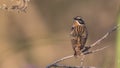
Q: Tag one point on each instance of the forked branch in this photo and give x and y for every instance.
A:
(55, 64)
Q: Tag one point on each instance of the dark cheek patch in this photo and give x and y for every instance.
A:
(81, 21)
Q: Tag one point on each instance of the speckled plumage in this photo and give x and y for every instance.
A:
(79, 35)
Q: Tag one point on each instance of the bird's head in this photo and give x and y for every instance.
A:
(78, 21)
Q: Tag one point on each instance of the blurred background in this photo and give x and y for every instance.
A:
(41, 35)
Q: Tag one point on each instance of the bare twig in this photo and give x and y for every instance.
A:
(55, 64)
(65, 66)
(64, 58)
(89, 52)
(105, 36)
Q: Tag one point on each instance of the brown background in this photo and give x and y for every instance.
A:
(41, 36)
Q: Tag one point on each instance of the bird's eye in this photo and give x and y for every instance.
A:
(81, 21)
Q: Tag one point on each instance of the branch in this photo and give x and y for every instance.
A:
(105, 36)
(64, 66)
(54, 64)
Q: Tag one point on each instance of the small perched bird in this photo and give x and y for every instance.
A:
(79, 35)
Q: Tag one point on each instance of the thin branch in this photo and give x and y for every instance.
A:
(94, 51)
(54, 64)
(64, 58)
(105, 36)
(64, 66)
(100, 49)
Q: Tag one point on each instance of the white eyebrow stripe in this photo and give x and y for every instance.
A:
(78, 22)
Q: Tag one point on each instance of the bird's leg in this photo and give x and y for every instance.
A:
(86, 48)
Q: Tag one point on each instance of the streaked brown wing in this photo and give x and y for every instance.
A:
(83, 37)
(76, 47)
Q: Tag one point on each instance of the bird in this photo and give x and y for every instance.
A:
(79, 35)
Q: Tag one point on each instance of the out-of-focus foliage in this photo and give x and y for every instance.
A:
(41, 35)
(118, 44)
